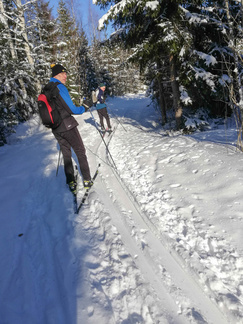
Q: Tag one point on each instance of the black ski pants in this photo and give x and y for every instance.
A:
(72, 139)
(104, 114)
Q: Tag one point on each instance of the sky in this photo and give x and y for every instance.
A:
(159, 239)
(82, 8)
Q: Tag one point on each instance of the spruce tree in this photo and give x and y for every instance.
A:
(87, 72)
(17, 86)
(180, 44)
(44, 34)
(68, 44)
(149, 28)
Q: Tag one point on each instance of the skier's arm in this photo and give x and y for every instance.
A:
(66, 97)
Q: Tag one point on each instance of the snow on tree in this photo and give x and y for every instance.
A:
(179, 46)
(68, 45)
(17, 88)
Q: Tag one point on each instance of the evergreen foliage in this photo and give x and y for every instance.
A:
(17, 89)
(186, 49)
(86, 68)
(68, 44)
(44, 45)
(112, 66)
(188, 52)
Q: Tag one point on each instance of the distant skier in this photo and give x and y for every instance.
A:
(101, 107)
(67, 133)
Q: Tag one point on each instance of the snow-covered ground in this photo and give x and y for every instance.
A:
(160, 240)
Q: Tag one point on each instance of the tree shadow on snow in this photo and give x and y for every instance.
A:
(216, 136)
(134, 111)
(133, 319)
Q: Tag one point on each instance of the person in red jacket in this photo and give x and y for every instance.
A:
(67, 133)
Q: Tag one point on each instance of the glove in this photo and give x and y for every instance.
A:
(87, 104)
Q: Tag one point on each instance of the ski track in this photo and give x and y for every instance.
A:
(210, 257)
(36, 245)
(164, 265)
(134, 249)
(128, 235)
(116, 282)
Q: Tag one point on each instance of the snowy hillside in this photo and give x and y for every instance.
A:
(159, 241)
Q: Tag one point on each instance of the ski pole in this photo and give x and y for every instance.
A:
(102, 139)
(116, 118)
(58, 163)
(87, 148)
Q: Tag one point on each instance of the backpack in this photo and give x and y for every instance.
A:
(48, 110)
(94, 96)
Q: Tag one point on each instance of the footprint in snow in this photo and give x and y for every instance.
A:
(175, 185)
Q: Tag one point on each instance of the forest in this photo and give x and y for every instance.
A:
(186, 56)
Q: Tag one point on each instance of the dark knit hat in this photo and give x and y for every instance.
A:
(57, 68)
(102, 85)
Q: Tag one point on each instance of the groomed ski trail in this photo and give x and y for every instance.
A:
(162, 269)
(119, 261)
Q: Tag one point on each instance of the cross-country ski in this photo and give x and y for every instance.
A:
(78, 206)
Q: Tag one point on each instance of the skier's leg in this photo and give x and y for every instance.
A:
(76, 142)
(67, 156)
(101, 117)
(105, 114)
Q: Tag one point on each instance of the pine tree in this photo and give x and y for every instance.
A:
(17, 89)
(87, 73)
(145, 26)
(209, 70)
(68, 44)
(180, 44)
(44, 33)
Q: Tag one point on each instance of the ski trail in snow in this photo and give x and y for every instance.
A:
(34, 290)
(43, 263)
(163, 275)
(162, 267)
(146, 248)
(116, 281)
(214, 262)
(117, 284)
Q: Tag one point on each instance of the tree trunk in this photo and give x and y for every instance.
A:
(24, 33)
(10, 43)
(235, 75)
(176, 93)
(162, 102)
(26, 45)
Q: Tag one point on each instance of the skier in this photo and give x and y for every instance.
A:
(67, 133)
(101, 108)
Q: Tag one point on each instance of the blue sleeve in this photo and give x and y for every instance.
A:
(66, 97)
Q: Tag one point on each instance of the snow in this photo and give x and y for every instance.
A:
(159, 240)
(184, 96)
(152, 4)
(207, 76)
(194, 17)
(224, 79)
(209, 59)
